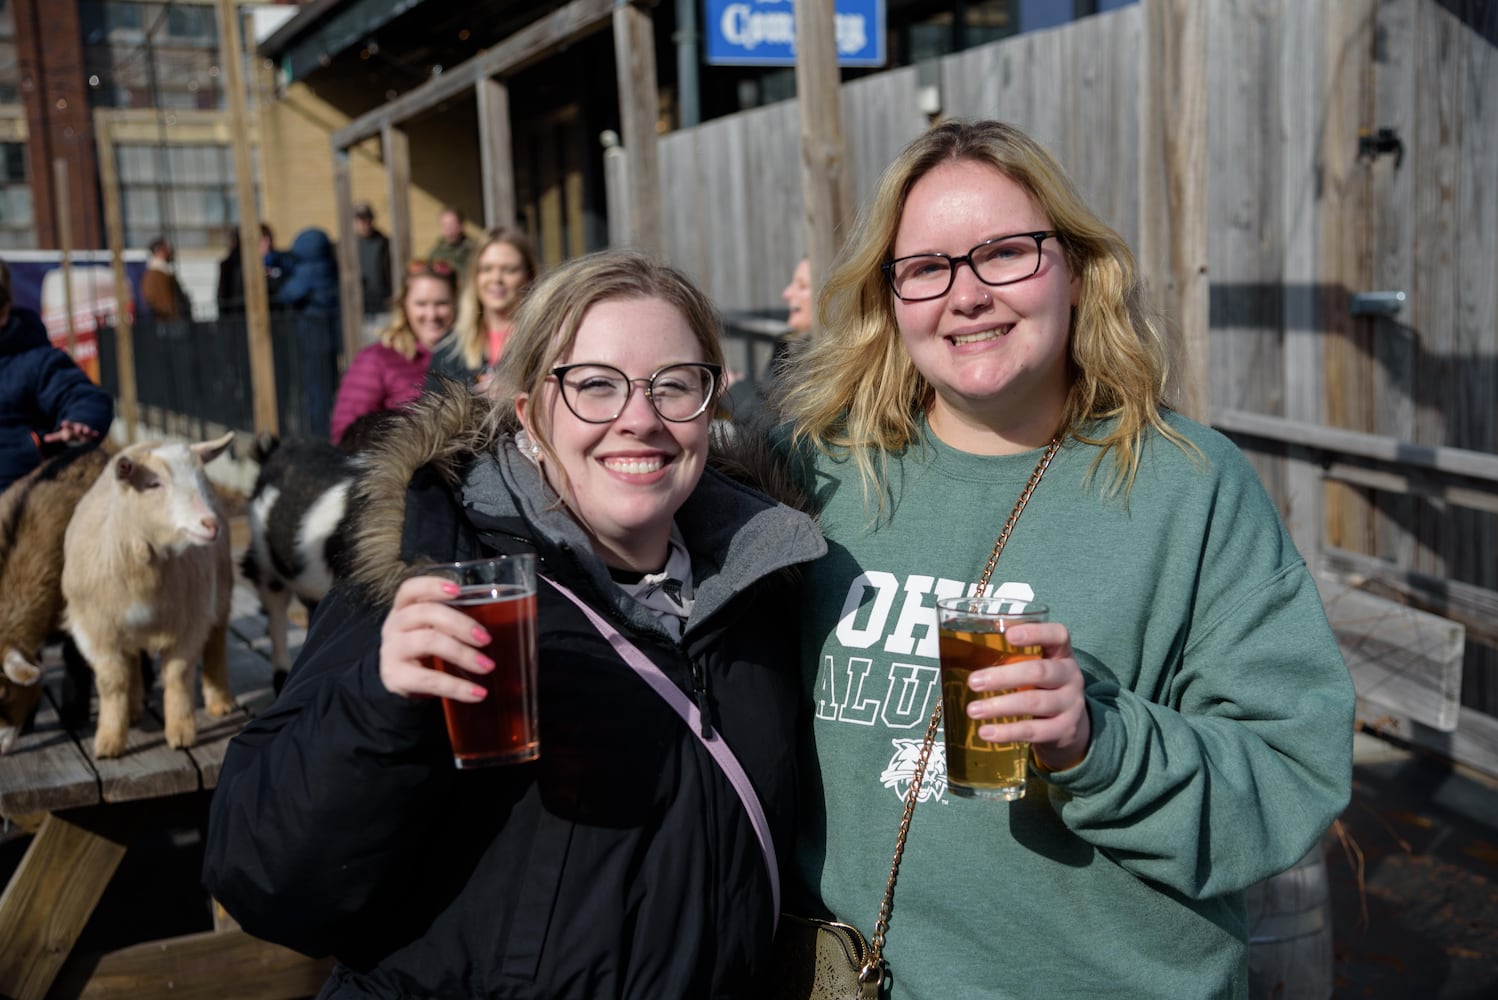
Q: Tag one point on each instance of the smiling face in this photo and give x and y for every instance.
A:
(625, 480)
(996, 357)
(429, 309)
(499, 280)
(797, 296)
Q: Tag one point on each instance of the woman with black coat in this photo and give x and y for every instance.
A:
(622, 863)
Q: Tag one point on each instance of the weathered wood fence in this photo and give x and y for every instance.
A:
(1351, 147)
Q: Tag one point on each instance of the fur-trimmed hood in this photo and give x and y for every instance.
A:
(736, 531)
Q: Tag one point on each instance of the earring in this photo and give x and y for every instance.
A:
(528, 448)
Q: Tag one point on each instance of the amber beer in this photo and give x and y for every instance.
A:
(503, 728)
(972, 637)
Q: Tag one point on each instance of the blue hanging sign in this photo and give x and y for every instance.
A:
(763, 32)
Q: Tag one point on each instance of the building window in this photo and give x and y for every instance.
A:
(184, 191)
(17, 221)
(150, 55)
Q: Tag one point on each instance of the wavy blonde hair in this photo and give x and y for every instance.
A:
(399, 336)
(547, 321)
(855, 391)
(471, 340)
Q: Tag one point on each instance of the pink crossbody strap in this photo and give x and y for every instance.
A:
(715, 745)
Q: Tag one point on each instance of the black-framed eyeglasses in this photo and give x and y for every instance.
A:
(597, 394)
(999, 261)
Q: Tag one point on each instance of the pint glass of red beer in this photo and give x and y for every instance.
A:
(500, 595)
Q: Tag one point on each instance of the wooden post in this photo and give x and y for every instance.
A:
(396, 149)
(350, 275)
(496, 156)
(639, 110)
(65, 245)
(124, 341)
(1173, 187)
(616, 187)
(824, 155)
(256, 301)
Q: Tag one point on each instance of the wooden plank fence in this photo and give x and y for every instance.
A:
(1304, 214)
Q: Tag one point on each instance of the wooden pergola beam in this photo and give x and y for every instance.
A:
(114, 226)
(639, 111)
(252, 266)
(496, 154)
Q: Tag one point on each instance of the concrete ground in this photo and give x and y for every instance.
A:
(1414, 879)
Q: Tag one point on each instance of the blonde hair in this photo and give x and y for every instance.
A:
(471, 340)
(399, 336)
(855, 390)
(548, 319)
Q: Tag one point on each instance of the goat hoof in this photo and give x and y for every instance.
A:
(219, 709)
(181, 737)
(106, 745)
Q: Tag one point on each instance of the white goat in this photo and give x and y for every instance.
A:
(146, 566)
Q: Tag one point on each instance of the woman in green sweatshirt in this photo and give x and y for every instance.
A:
(1191, 721)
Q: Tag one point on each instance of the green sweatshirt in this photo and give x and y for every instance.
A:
(1221, 722)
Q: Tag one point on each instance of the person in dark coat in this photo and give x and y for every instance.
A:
(46, 401)
(622, 862)
(309, 287)
(374, 262)
(231, 299)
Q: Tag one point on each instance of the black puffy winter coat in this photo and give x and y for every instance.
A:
(621, 863)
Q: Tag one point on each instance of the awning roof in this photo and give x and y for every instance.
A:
(439, 33)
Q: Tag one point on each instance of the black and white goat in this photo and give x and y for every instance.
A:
(295, 513)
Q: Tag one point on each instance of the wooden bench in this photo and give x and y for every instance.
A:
(85, 813)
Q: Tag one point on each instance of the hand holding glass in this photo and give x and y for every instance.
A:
(500, 595)
(972, 637)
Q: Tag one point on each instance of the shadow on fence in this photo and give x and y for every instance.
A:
(200, 371)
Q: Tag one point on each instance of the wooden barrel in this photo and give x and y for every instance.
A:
(1290, 933)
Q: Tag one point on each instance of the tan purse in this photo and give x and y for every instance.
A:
(817, 959)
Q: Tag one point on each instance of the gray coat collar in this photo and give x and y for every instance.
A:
(737, 536)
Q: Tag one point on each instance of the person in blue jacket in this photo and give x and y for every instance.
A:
(310, 290)
(46, 401)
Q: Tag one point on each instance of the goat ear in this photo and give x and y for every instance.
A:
(207, 451)
(19, 669)
(124, 469)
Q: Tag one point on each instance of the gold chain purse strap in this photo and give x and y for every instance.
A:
(872, 970)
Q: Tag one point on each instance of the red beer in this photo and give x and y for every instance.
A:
(501, 729)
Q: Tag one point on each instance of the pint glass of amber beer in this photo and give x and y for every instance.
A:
(972, 636)
(500, 595)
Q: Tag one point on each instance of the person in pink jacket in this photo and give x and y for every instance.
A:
(388, 374)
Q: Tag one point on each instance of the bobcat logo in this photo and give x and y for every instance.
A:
(900, 770)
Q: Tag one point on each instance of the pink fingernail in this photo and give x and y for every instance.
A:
(451, 589)
(478, 692)
(479, 634)
(485, 663)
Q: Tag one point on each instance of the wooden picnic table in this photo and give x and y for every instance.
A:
(85, 813)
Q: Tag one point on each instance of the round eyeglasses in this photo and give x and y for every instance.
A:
(999, 261)
(597, 394)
